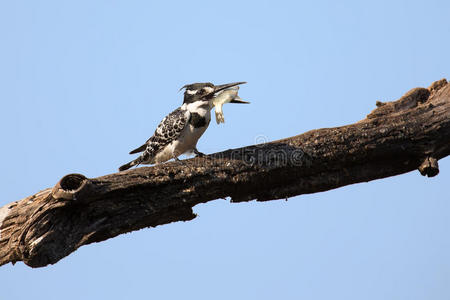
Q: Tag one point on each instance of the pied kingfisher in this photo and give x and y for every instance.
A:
(180, 131)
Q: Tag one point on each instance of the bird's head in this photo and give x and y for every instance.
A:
(206, 91)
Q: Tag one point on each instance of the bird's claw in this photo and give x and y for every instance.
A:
(198, 153)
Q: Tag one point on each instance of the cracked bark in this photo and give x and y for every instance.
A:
(397, 137)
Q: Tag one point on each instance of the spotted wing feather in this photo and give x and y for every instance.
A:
(167, 131)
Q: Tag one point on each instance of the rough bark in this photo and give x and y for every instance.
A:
(397, 137)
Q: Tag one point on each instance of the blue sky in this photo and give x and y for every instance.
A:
(84, 82)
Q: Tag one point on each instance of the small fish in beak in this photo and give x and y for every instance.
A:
(229, 95)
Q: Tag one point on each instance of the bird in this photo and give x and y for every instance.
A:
(179, 131)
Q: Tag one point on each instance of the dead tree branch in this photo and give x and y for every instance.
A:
(397, 137)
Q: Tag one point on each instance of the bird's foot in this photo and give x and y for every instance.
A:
(198, 153)
(178, 161)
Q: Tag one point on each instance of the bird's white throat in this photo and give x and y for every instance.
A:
(200, 107)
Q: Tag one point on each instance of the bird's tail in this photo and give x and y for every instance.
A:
(132, 163)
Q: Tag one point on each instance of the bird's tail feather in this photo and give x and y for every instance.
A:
(139, 149)
(132, 163)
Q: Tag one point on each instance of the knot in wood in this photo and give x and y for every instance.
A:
(69, 186)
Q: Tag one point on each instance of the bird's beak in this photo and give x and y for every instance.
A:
(218, 88)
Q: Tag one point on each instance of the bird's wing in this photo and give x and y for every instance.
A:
(167, 131)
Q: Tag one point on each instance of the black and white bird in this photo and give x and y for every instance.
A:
(179, 132)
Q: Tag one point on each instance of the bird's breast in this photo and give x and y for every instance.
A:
(197, 120)
(200, 116)
(197, 125)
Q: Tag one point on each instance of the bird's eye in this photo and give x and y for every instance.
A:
(202, 91)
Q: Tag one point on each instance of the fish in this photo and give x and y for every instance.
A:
(226, 96)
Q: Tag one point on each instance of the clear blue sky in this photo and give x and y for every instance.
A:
(84, 82)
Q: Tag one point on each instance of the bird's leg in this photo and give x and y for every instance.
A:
(178, 161)
(175, 157)
(198, 153)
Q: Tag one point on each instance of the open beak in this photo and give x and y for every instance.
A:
(218, 88)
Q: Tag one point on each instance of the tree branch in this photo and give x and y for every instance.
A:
(397, 137)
